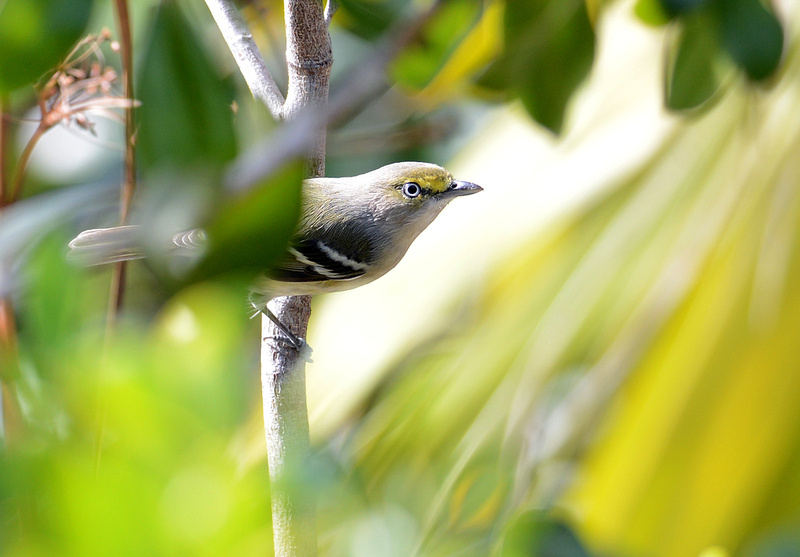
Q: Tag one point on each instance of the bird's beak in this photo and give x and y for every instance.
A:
(458, 188)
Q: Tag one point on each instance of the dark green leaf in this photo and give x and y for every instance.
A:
(35, 35)
(250, 232)
(752, 36)
(549, 50)
(420, 62)
(678, 7)
(185, 117)
(651, 12)
(368, 19)
(693, 74)
(534, 534)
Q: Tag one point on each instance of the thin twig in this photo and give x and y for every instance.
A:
(330, 10)
(24, 159)
(129, 185)
(119, 273)
(248, 57)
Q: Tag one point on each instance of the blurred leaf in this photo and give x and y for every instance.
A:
(594, 8)
(419, 63)
(35, 35)
(251, 231)
(549, 50)
(752, 36)
(157, 441)
(673, 298)
(473, 53)
(535, 534)
(742, 29)
(185, 117)
(477, 495)
(53, 310)
(678, 7)
(693, 74)
(368, 19)
(651, 12)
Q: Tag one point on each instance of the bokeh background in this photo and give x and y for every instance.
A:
(599, 355)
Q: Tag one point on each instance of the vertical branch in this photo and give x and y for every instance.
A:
(129, 182)
(129, 185)
(283, 384)
(309, 59)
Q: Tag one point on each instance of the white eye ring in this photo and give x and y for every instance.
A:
(411, 190)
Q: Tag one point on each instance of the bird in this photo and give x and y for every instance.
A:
(351, 231)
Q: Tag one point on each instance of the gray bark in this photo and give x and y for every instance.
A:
(309, 60)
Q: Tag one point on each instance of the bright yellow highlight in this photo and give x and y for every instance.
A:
(477, 49)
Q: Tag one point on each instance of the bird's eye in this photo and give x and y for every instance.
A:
(411, 189)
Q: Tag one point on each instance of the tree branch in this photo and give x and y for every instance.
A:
(248, 57)
(309, 60)
(119, 273)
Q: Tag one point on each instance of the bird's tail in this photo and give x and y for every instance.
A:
(101, 246)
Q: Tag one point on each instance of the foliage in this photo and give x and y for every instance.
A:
(622, 383)
(181, 122)
(716, 35)
(35, 35)
(549, 48)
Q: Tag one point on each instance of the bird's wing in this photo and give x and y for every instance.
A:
(312, 260)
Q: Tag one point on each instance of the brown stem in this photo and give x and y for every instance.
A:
(119, 274)
(24, 159)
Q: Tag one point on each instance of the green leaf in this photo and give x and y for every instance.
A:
(35, 35)
(549, 50)
(693, 74)
(678, 7)
(367, 18)
(534, 534)
(419, 63)
(752, 36)
(185, 117)
(651, 12)
(251, 232)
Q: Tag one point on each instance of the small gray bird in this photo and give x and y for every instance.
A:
(351, 232)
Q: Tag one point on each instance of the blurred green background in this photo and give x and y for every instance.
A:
(598, 355)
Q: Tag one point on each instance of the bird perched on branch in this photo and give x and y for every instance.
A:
(351, 232)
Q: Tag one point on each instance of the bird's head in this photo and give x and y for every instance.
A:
(413, 191)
